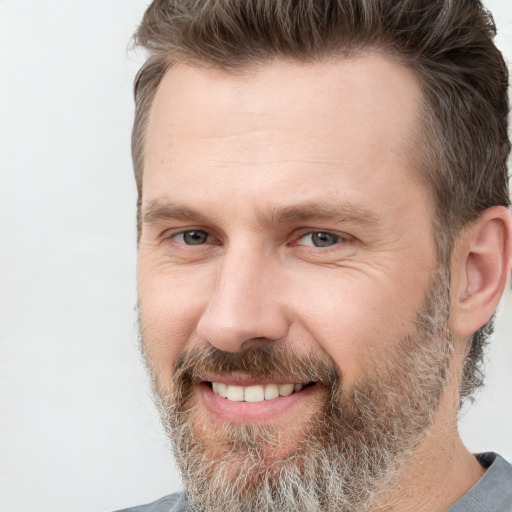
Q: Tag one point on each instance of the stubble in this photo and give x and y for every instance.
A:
(345, 456)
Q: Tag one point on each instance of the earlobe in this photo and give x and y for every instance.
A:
(480, 269)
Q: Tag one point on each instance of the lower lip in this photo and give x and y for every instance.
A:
(244, 412)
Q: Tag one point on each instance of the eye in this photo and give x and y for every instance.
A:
(192, 237)
(319, 239)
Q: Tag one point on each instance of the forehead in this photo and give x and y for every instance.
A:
(359, 87)
(345, 121)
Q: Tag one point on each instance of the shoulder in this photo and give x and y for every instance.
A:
(171, 503)
(499, 472)
(493, 493)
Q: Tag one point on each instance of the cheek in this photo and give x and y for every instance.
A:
(357, 318)
(170, 307)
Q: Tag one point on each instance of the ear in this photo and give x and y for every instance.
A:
(481, 263)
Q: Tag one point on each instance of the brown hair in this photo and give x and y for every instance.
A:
(448, 44)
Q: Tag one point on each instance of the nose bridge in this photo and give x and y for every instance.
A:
(243, 304)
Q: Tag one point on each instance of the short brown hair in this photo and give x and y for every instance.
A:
(447, 43)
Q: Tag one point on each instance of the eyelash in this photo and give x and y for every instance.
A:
(174, 236)
(340, 239)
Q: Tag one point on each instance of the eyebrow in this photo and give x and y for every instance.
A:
(327, 211)
(338, 211)
(158, 211)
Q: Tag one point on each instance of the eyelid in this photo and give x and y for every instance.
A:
(344, 237)
(173, 234)
(183, 233)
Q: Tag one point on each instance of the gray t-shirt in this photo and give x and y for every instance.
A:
(492, 493)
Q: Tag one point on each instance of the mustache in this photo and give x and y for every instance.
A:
(265, 362)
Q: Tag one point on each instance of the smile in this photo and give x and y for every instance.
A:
(241, 399)
(257, 393)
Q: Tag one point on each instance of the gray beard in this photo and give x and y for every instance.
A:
(346, 456)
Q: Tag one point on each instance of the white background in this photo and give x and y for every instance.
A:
(77, 428)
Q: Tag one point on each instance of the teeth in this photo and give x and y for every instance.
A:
(222, 389)
(286, 389)
(254, 393)
(271, 391)
(235, 393)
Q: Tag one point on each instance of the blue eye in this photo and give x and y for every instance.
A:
(320, 239)
(193, 237)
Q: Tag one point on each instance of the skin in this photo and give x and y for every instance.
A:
(259, 161)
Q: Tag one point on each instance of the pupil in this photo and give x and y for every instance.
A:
(194, 237)
(324, 239)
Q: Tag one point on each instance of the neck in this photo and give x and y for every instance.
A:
(440, 472)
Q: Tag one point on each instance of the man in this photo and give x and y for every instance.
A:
(324, 237)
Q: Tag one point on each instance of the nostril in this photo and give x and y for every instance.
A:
(256, 342)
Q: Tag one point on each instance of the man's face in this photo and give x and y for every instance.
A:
(283, 222)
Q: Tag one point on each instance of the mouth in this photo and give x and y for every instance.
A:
(239, 400)
(256, 393)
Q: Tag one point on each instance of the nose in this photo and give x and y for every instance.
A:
(243, 307)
